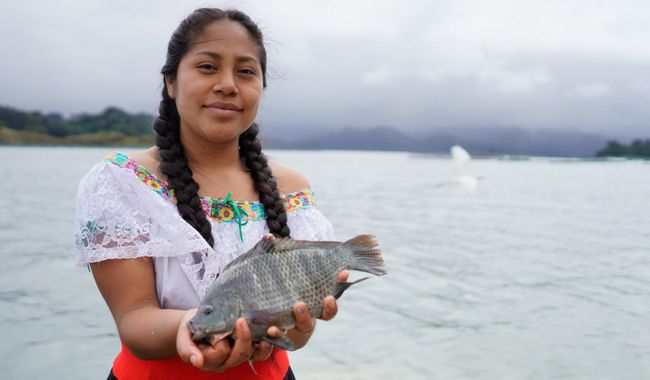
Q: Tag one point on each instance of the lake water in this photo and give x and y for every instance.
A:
(543, 273)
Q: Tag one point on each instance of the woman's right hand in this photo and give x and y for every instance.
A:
(219, 356)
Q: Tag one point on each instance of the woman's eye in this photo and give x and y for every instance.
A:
(247, 71)
(206, 67)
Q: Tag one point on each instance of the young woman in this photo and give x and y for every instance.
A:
(157, 226)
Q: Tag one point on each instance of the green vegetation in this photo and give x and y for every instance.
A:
(119, 128)
(110, 127)
(637, 149)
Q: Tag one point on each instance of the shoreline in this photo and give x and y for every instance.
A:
(415, 154)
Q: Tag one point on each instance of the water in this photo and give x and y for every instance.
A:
(541, 274)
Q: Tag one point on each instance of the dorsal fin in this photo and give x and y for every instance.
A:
(279, 246)
(288, 244)
(262, 246)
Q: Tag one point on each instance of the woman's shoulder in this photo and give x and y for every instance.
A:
(147, 158)
(119, 167)
(289, 180)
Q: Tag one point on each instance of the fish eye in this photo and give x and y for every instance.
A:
(207, 310)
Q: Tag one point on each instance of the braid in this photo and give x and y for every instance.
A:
(250, 149)
(174, 165)
(167, 126)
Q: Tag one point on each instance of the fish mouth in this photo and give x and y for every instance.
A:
(208, 333)
(209, 338)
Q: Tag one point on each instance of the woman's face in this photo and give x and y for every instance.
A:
(218, 85)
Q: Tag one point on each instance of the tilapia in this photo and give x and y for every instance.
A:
(263, 285)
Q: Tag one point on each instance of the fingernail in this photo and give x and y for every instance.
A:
(243, 326)
(302, 310)
(193, 360)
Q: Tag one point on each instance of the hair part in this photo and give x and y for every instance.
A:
(167, 132)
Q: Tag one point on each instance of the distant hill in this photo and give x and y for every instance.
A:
(114, 126)
(488, 140)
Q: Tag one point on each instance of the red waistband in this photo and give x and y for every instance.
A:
(128, 367)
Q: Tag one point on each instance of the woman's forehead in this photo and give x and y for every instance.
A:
(226, 34)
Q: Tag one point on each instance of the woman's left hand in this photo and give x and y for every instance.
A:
(305, 324)
(329, 303)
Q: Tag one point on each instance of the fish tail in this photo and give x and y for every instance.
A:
(366, 255)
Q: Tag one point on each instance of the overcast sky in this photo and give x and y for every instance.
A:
(556, 64)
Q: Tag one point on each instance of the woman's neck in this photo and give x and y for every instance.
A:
(218, 168)
(209, 157)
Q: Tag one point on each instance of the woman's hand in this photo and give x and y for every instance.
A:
(219, 356)
(329, 303)
(305, 324)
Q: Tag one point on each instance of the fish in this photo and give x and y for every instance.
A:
(263, 285)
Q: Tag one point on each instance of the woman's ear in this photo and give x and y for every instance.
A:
(170, 85)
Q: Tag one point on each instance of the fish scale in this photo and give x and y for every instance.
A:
(264, 284)
(294, 278)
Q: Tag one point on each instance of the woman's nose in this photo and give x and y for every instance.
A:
(225, 84)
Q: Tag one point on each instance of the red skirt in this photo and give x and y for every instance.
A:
(128, 367)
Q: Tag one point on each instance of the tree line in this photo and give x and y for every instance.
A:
(638, 148)
(116, 127)
(111, 126)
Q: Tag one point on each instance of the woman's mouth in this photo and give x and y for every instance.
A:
(223, 110)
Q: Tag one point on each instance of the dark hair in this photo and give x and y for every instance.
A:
(167, 127)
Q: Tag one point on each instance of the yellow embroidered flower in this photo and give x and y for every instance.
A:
(226, 214)
(154, 184)
(296, 202)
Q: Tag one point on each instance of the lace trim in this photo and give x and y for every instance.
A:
(118, 218)
(213, 207)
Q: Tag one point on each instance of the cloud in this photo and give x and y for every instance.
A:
(571, 64)
(514, 82)
(590, 90)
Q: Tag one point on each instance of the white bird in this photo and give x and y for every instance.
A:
(461, 176)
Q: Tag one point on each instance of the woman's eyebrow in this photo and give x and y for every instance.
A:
(217, 56)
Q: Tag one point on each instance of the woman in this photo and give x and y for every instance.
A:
(157, 226)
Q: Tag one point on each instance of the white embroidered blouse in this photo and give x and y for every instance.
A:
(123, 211)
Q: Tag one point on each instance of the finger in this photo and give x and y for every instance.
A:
(243, 348)
(269, 237)
(329, 308)
(304, 321)
(274, 332)
(263, 351)
(190, 353)
(343, 275)
(215, 355)
(186, 348)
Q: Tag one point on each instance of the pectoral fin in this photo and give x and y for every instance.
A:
(343, 286)
(270, 318)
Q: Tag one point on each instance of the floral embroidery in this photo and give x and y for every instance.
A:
(155, 184)
(214, 208)
(224, 213)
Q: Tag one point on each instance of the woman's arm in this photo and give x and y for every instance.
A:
(128, 287)
(149, 332)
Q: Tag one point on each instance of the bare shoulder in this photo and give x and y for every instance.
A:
(289, 180)
(147, 158)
